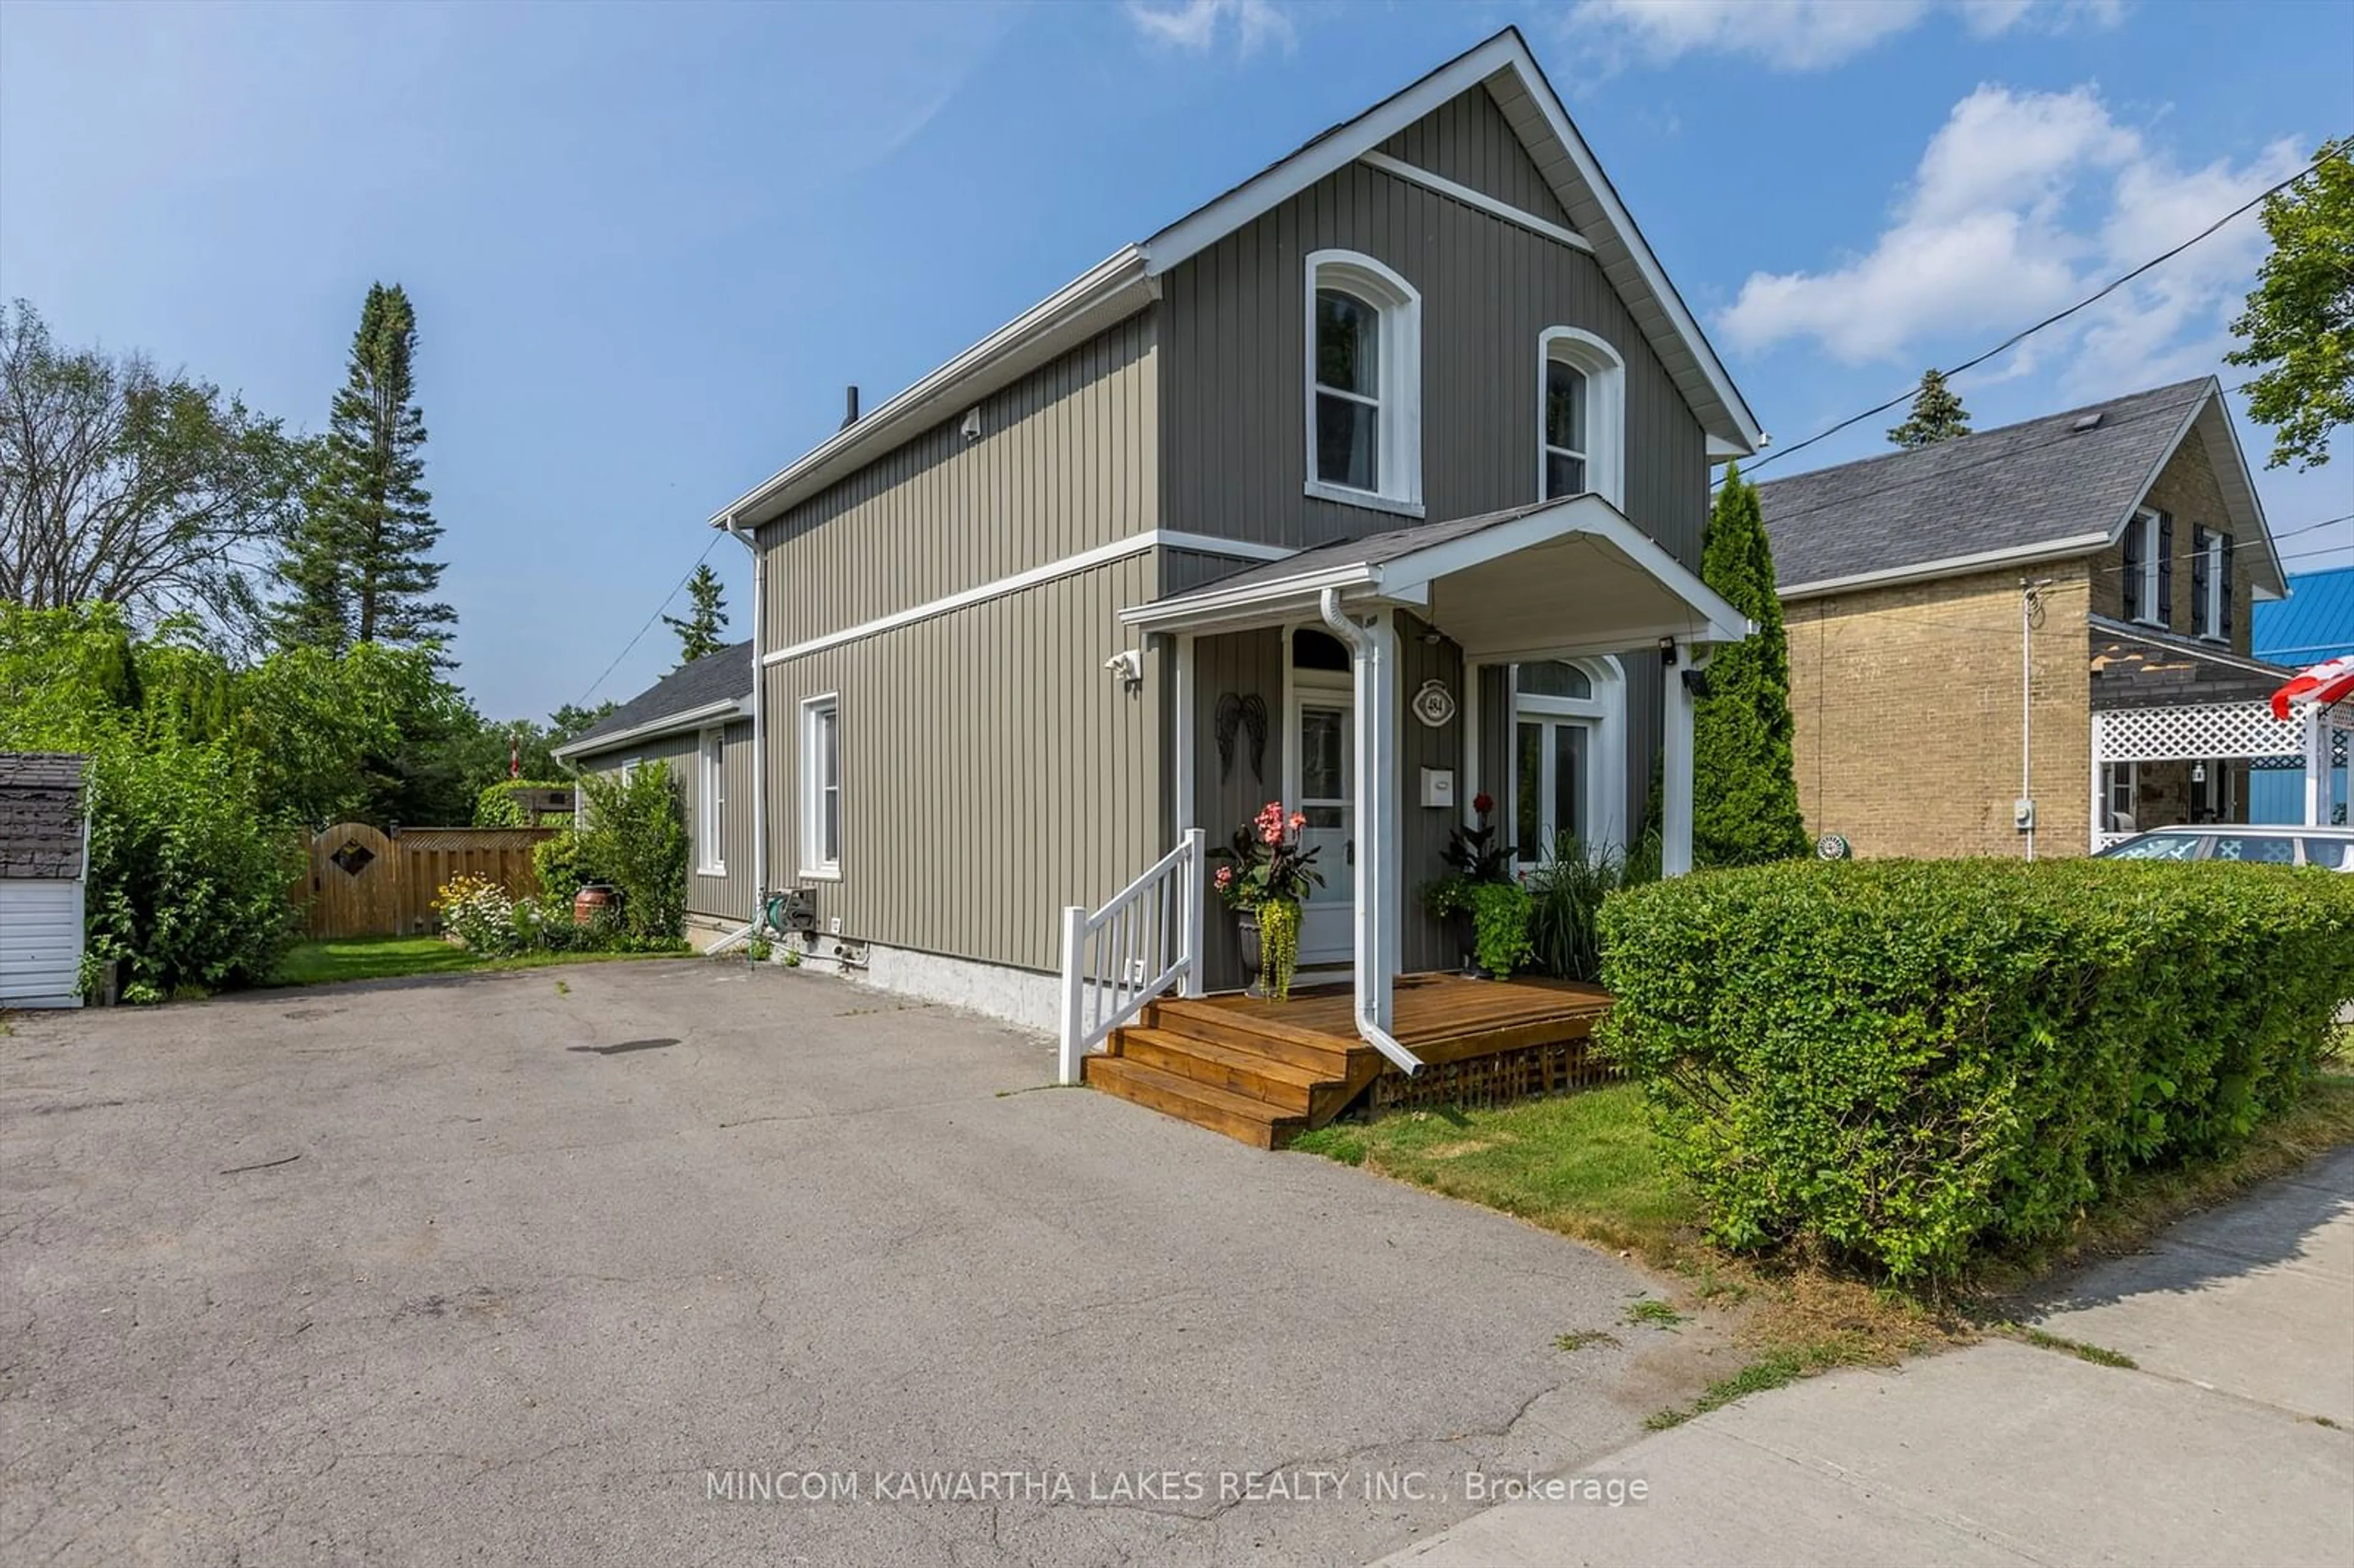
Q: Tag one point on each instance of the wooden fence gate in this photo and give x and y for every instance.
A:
(364, 883)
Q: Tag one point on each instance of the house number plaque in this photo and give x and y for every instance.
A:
(1434, 704)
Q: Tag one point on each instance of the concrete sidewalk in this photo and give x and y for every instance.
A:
(2232, 1442)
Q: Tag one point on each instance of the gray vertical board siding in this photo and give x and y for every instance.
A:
(1225, 795)
(1232, 355)
(734, 895)
(728, 897)
(1064, 463)
(1468, 140)
(992, 771)
(1424, 829)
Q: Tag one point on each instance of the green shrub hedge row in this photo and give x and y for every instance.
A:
(1910, 1060)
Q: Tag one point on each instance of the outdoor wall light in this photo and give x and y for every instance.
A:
(1668, 652)
(1127, 666)
(2199, 773)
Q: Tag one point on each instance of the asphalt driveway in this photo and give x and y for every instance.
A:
(522, 1269)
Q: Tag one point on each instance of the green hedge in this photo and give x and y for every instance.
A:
(1909, 1060)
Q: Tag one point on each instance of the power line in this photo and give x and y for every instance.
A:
(648, 626)
(2015, 339)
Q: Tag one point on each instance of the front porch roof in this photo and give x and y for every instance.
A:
(1557, 579)
(2140, 667)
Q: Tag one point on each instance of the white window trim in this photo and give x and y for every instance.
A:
(710, 801)
(1606, 758)
(2213, 609)
(2124, 779)
(1400, 423)
(2146, 521)
(1605, 408)
(814, 866)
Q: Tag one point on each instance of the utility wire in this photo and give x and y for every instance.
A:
(2015, 339)
(648, 626)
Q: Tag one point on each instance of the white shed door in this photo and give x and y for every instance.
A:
(41, 943)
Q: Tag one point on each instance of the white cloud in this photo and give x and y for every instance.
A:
(1799, 35)
(1198, 24)
(2022, 204)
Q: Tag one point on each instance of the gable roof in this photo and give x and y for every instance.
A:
(2315, 622)
(1127, 280)
(2042, 490)
(713, 688)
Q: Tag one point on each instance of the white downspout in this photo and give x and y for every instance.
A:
(749, 538)
(1371, 980)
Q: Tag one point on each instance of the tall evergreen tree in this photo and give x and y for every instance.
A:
(358, 566)
(699, 631)
(1937, 415)
(1744, 797)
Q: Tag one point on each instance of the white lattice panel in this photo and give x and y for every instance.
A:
(2196, 733)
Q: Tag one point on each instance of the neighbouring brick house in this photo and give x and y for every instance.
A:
(44, 849)
(2092, 570)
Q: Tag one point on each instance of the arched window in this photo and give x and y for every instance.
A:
(1568, 766)
(1581, 416)
(1364, 384)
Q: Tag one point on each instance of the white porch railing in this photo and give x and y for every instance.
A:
(1147, 940)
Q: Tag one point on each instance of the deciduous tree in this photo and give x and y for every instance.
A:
(157, 492)
(2297, 332)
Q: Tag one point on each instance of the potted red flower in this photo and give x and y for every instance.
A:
(1264, 877)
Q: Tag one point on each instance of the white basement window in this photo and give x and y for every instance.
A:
(821, 791)
(1364, 381)
(1581, 416)
(710, 804)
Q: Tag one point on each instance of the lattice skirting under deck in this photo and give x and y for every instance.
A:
(1553, 1068)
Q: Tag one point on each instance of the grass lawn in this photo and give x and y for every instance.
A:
(390, 958)
(1588, 1166)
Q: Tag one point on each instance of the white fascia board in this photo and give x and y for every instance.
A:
(1638, 250)
(1587, 515)
(2210, 409)
(1950, 566)
(1000, 587)
(1252, 601)
(1336, 149)
(1109, 292)
(693, 718)
(1348, 143)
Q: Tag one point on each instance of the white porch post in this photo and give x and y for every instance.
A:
(1182, 740)
(2317, 766)
(1389, 824)
(1676, 769)
(2100, 759)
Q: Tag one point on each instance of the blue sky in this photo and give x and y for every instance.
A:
(648, 246)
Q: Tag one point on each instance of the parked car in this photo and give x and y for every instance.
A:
(2332, 847)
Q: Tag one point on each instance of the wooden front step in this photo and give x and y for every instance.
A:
(1278, 1083)
(1327, 1055)
(1238, 1116)
(1246, 1076)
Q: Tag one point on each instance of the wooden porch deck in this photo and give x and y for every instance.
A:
(1265, 1071)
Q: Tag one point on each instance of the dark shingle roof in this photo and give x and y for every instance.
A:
(2008, 488)
(40, 815)
(714, 678)
(1370, 550)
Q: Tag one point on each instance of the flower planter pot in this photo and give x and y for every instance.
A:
(1254, 964)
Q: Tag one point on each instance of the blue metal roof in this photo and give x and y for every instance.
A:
(2316, 621)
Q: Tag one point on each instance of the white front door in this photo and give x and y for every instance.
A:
(1322, 787)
